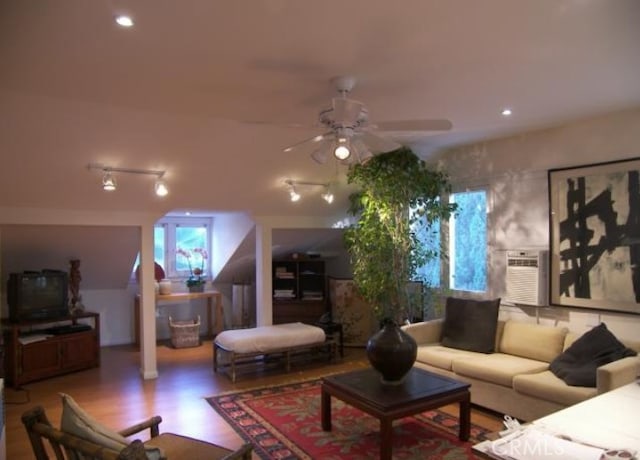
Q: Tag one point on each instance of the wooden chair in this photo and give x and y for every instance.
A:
(66, 446)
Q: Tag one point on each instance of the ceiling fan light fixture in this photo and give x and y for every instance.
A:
(342, 151)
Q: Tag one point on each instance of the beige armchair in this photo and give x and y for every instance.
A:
(101, 444)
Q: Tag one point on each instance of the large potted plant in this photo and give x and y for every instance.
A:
(398, 196)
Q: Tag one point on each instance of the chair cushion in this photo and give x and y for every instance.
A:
(577, 365)
(78, 422)
(470, 324)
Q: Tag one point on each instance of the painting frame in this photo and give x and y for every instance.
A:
(594, 236)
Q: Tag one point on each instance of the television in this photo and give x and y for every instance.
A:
(38, 295)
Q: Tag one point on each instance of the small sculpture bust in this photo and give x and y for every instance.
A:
(74, 286)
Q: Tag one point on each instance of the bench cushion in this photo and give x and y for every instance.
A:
(264, 339)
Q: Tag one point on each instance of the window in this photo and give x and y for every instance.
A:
(468, 242)
(430, 237)
(187, 233)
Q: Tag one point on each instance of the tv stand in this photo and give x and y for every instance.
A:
(35, 350)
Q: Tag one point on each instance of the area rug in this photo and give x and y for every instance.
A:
(283, 422)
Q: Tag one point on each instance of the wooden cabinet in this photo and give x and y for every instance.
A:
(299, 290)
(55, 354)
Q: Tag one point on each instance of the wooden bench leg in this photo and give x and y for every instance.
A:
(215, 357)
(233, 367)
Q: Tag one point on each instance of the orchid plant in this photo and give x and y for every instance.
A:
(195, 273)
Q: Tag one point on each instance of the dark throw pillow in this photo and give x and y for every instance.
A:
(470, 324)
(577, 364)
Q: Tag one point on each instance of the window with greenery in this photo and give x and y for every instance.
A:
(468, 242)
(187, 233)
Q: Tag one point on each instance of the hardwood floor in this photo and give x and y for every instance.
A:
(116, 395)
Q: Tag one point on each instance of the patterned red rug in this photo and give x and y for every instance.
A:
(283, 423)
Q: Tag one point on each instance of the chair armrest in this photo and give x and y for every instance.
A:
(616, 374)
(243, 453)
(151, 423)
(426, 331)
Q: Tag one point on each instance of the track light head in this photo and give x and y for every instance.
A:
(108, 182)
(327, 195)
(161, 188)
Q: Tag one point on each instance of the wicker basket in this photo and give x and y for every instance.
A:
(185, 334)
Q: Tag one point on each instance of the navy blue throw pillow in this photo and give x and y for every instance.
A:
(577, 364)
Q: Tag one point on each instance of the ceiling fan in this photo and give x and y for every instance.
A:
(350, 136)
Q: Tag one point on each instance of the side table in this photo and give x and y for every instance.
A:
(330, 329)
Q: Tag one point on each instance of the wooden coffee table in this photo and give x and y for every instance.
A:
(421, 391)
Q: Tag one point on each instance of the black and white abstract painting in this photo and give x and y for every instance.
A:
(595, 236)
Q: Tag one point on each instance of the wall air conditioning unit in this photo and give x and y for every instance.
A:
(527, 277)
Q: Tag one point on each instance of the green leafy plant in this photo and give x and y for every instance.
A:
(398, 197)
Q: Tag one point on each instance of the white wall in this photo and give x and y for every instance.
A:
(515, 169)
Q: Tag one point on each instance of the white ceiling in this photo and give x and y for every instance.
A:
(208, 90)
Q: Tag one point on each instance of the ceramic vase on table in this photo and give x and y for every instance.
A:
(392, 352)
(164, 287)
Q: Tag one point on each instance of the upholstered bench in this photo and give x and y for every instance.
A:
(243, 346)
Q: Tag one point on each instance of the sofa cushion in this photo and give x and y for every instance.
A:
(470, 324)
(533, 341)
(497, 368)
(545, 385)
(577, 364)
(442, 357)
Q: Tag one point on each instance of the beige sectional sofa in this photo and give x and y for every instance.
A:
(515, 379)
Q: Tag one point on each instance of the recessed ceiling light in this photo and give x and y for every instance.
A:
(124, 21)
(506, 112)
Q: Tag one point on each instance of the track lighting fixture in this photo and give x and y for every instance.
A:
(293, 193)
(327, 195)
(109, 181)
(161, 188)
(295, 185)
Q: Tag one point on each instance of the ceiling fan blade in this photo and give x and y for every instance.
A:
(377, 144)
(314, 139)
(415, 125)
(346, 111)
